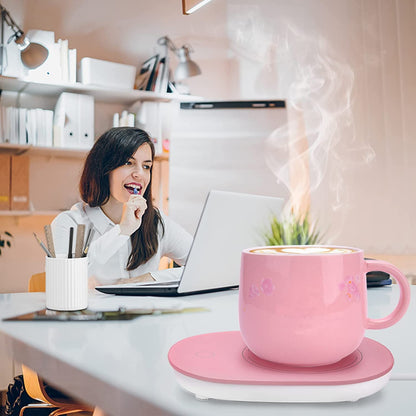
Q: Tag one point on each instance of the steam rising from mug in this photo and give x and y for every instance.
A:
(308, 150)
(319, 108)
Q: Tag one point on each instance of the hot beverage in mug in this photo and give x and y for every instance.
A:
(302, 250)
(307, 305)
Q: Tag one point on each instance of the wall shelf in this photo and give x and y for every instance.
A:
(10, 213)
(102, 94)
(19, 149)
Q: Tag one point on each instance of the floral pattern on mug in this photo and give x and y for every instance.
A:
(350, 287)
(254, 291)
(266, 286)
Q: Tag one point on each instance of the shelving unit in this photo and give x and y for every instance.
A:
(109, 95)
(27, 213)
(50, 162)
(47, 170)
(20, 149)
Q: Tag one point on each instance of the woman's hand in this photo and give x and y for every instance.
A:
(92, 283)
(147, 277)
(133, 211)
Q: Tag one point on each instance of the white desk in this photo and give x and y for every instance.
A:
(122, 366)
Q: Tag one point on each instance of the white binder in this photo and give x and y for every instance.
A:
(74, 121)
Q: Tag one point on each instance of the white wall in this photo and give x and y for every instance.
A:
(265, 48)
(349, 65)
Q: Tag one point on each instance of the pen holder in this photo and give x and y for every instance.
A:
(66, 283)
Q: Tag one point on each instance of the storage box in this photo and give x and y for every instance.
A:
(106, 73)
(19, 187)
(4, 181)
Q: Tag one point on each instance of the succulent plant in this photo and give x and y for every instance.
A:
(291, 231)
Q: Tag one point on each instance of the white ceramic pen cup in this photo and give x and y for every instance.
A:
(66, 283)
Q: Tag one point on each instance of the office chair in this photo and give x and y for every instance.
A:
(37, 389)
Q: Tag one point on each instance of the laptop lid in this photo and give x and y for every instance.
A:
(229, 223)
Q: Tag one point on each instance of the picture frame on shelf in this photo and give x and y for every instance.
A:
(160, 84)
(144, 78)
(172, 88)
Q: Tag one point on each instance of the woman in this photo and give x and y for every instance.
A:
(130, 235)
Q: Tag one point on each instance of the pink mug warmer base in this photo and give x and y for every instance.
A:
(309, 309)
(220, 366)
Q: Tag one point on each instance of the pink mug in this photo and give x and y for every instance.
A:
(307, 305)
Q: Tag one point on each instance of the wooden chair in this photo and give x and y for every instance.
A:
(37, 283)
(38, 389)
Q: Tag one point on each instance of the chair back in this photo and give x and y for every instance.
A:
(37, 283)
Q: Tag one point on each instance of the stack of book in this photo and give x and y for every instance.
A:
(68, 61)
(26, 126)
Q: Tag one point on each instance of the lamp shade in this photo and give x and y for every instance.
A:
(32, 54)
(187, 67)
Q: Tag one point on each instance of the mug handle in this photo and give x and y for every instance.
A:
(403, 304)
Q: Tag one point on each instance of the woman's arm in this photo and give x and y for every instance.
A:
(176, 244)
(147, 277)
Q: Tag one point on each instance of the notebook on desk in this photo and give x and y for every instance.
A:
(229, 223)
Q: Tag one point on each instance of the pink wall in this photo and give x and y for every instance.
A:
(126, 31)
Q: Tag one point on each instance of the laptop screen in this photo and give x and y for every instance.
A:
(229, 223)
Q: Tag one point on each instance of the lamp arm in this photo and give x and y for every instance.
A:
(165, 41)
(13, 25)
(188, 47)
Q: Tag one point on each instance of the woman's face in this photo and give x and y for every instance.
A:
(133, 175)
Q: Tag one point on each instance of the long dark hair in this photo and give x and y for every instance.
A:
(113, 149)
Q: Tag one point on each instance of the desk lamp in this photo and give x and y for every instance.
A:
(32, 54)
(187, 67)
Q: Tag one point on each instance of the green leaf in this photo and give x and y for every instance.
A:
(291, 231)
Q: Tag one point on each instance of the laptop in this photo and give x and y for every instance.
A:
(229, 223)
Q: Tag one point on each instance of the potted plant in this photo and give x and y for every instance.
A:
(5, 240)
(292, 230)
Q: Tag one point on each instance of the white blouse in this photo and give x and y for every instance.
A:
(109, 250)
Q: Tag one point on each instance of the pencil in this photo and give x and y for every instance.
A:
(87, 243)
(49, 239)
(42, 245)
